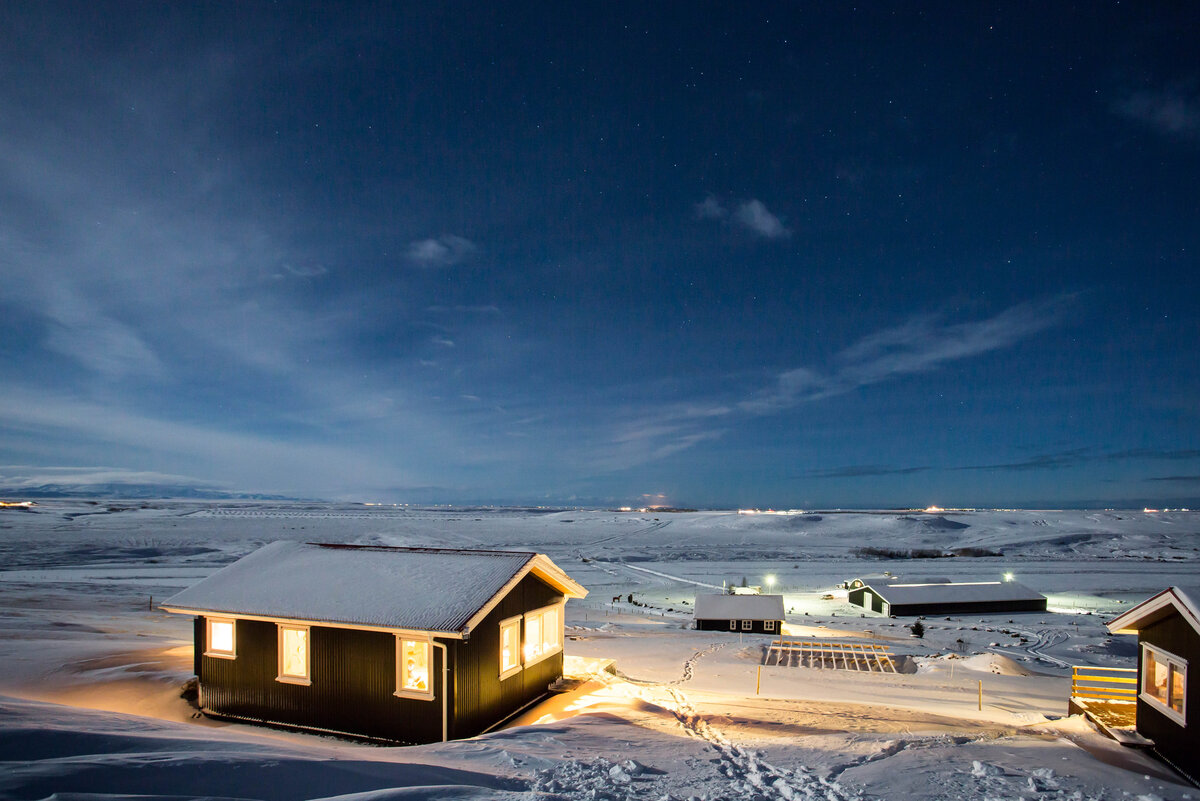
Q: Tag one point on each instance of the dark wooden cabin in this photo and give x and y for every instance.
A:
(1168, 631)
(752, 614)
(404, 645)
(888, 595)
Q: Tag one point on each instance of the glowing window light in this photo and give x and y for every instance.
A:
(510, 647)
(293, 654)
(543, 634)
(414, 666)
(221, 639)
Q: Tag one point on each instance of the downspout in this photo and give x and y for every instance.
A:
(445, 672)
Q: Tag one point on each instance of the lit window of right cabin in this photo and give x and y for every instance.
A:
(1164, 682)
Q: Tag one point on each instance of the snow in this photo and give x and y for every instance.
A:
(89, 691)
(421, 590)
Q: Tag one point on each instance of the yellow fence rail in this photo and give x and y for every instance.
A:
(1104, 683)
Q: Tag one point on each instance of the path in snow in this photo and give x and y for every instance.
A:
(747, 773)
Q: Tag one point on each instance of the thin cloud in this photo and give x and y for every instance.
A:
(1181, 479)
(920, 345)
(1172, 111)
(711, 209)
(441, 252)
(754, 216)
(1046, 461)
(861, 471)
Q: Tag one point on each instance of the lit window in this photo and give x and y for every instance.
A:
(543, 634)
(221, 641)
(510, 647)
(1164, 682)
(769, 625)
(747, 624)
(412, 668)
(293, 655)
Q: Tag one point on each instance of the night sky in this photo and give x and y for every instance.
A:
(691, 254)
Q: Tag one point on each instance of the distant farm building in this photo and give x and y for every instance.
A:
(752, 614)
(410, 645)
(1168, 631)
(889, 595)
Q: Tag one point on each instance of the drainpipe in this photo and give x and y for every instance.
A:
(445, 672)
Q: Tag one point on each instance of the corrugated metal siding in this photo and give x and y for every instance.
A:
(756, 627)
(968, 608)
(1178, 744)
(353, 680)
(480, 698)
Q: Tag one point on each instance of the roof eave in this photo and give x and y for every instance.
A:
(179, 610)
(1152, 610)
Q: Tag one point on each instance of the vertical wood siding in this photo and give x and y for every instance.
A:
(1178, 744)
(480, 698)
(353, 676)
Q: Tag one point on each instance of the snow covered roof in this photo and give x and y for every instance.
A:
(939, 591)
(413, 589)
(739, 607)
(1184, 601)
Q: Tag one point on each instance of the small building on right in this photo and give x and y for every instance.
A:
(1167, 626)
(890, 595)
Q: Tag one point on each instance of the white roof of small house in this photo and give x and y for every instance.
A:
(1184, 601)
(935, 591)
(739, 607)
(409, 589)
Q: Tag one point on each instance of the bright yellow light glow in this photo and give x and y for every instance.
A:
(293, 654)
(414, 665)
(934, 509)
(220, 636)
(543, 634)
(16, 503)
(510, 645)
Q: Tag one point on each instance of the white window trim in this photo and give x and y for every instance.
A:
(515, 669)
(560, 606)
(306, 679)
(1154, 701)
(401, 691)
(769, 625)
(733, 625)
(747, 625)
(208, 649)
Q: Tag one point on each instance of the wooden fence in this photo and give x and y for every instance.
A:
(1104, 683)
(835, 655)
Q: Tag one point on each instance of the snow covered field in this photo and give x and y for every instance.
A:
(89, 689)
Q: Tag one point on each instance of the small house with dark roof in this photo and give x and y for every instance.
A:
(890, 595)
(1167, 626)
(401, 645)
(752, 614)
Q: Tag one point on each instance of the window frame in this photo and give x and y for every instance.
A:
(747, 625)
(539, 614)
(733, 625)
(1175, 664)
(769, 625)
(401, 668)
(510, 624)
(209, 650)
(289, 678)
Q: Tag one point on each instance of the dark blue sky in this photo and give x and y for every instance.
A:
(788, 255)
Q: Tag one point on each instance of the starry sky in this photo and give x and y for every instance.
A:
(692, 254)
